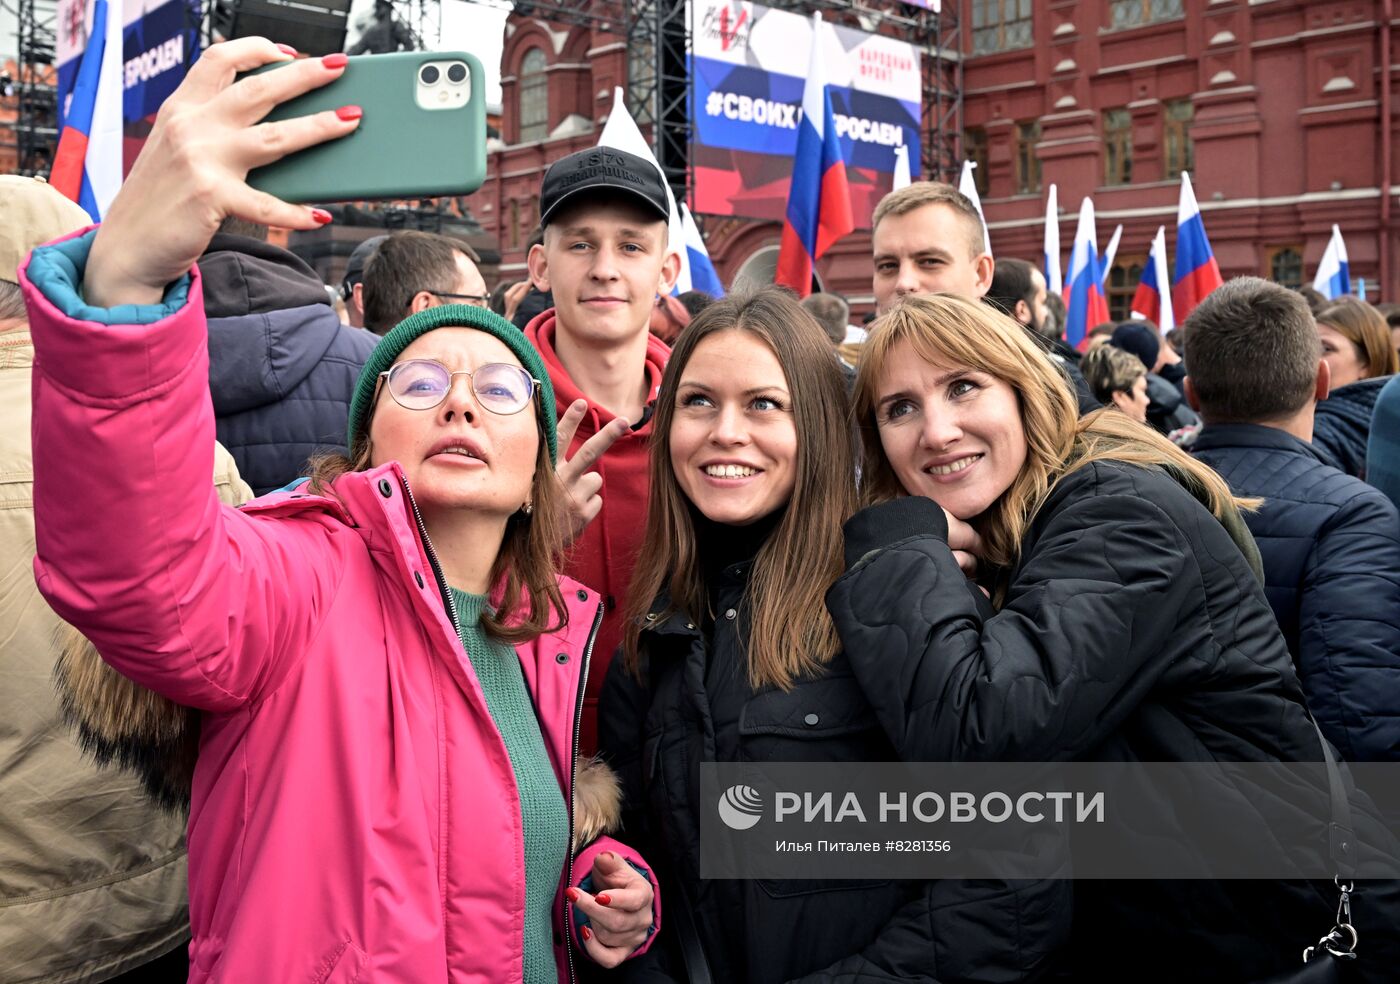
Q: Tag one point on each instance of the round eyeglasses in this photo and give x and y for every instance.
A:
(421, 384)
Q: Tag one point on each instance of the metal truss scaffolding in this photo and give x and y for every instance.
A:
(660, 90)
(36, 116)
(659, 87)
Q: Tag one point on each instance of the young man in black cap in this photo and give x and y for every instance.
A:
(605, 257)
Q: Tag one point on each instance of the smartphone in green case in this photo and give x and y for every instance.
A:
(423, 133)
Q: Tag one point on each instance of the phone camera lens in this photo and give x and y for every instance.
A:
(429, 74)
(456, 73)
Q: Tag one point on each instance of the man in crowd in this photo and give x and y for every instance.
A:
(413, 271)
(282, 367)
(927, 237)
(1018, 289)
(1142, 339)
(1167, 409)
(351, 291)
(604, 258)
(93, 873)
(834, 315)
(1330, 543)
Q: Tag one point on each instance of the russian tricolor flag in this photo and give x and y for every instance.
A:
(1151, 301)
(819, 202)
(1084, 299)
(1197, 273)
(87, 165)
(1334, 273)
(703, 275)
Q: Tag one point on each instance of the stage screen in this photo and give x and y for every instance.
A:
(748, 64)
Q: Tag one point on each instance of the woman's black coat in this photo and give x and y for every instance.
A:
(1133, 629)
(655, 732)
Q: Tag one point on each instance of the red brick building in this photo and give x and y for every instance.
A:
(1282, 110)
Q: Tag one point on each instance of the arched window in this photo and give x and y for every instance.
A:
(533, 86)
(1286, 266)
(1123, 280)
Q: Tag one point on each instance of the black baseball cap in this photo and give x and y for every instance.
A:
(603, 169)
(359, 259)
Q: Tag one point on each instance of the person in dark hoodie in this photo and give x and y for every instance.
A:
(282, 367)
(1356, 346)
(1330, 543)
(1167, 410)
(1018, 289)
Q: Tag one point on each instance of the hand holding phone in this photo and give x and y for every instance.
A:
(191, 173)
(423, 134)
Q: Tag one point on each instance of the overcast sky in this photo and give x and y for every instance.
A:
(467, 25)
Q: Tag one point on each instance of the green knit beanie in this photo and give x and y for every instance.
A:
(449, 316)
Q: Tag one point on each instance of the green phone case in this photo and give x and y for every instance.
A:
(399, 150)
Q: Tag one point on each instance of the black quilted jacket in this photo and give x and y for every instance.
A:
(1331, 550)
(656, 732)
(1343, 424)
(1132, 630)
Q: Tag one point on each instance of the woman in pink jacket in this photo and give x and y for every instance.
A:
(388, 669)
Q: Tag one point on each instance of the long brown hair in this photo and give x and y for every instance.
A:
(526, 571)
(1365, 328)
(791, 633)
(944, 328)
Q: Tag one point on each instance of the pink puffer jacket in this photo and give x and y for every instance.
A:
(355, 815)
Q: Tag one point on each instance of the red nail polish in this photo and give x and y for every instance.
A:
(604, 898)
(320, 215)
(287, 49)
(572, 894)
(587, 934)
(337, 60)
(348, 113)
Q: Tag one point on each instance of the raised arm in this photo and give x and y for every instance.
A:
(187, 597)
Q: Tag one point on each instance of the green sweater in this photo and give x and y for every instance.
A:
(543, 813)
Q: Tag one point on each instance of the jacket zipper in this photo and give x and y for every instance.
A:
(578, 706)
(432, 558)
(573, 768)
(437, 571)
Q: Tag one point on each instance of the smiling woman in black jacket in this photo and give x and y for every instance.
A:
(1129, 623)
(732, 657)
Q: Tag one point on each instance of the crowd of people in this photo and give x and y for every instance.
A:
(419, 687)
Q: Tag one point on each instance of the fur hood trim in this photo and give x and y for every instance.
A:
(121, 723)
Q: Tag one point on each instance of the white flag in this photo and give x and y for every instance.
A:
(969, 188)
(621, 131)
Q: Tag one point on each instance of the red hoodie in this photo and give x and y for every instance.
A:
(603, 557)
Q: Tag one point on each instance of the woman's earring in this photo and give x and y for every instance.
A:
(528, 508)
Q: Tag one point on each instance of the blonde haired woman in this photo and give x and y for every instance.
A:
(1129, 622)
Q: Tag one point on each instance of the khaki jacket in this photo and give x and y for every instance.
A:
(92, 873)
